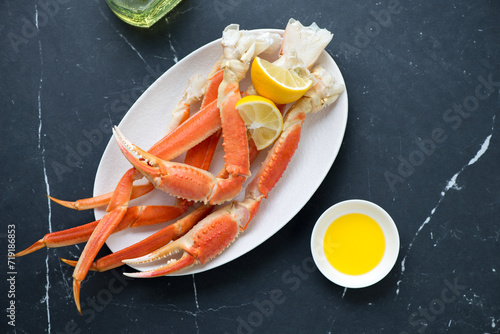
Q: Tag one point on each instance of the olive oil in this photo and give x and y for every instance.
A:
(141, 13)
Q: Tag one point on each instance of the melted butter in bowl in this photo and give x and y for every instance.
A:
(355, 243)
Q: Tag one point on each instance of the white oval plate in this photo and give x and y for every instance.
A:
(391, 243)
(147, 119)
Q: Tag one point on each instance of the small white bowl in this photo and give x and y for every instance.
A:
(391, 243)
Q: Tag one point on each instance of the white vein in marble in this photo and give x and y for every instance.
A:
(451, 184)
(175, 59)
(47, 186)
(197, 305)
(124, 38)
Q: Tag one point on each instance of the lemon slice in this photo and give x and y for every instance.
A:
(262, 118)
(276, 83)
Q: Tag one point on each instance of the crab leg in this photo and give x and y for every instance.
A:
(134, 217)
(218, 230)
(117, 209)
(102, 200)
(154, 241)
(119, 202)
(161, 237)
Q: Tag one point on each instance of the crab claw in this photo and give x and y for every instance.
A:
(186, 261)
(147, 166)
(202, 243)
(178, 179)
(175, 178)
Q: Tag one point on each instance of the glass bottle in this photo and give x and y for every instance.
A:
(141, 13)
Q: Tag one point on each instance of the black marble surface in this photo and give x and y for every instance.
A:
(421, 141)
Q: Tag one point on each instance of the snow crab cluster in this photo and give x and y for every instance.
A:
(216, 219)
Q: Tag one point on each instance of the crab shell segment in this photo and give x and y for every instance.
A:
(202, 243)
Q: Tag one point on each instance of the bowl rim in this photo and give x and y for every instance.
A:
(391, 236)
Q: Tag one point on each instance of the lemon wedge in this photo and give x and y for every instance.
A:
(262, 119)
(280, 85)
